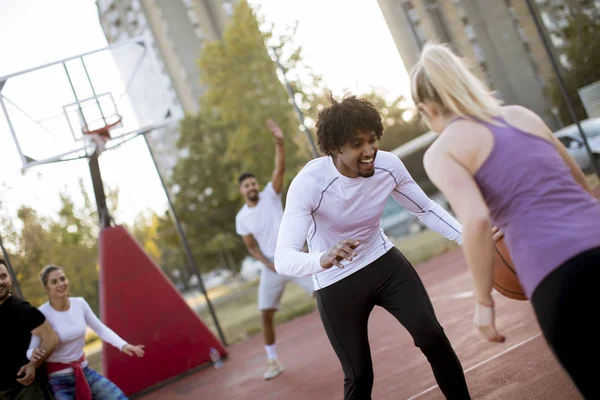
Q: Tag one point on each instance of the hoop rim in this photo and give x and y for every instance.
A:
(103, 129)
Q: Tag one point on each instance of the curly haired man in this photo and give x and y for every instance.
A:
(335, 204)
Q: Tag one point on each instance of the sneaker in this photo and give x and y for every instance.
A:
(274, 369)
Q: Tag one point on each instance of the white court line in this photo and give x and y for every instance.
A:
(481, 363)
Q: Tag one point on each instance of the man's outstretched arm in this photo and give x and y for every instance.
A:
(279, 171)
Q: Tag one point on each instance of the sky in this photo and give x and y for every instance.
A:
(345, 41)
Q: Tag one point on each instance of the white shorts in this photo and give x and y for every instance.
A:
(270, 288)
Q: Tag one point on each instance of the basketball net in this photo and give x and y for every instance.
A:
(99, 140)
(101, 135)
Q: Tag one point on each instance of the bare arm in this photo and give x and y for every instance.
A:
(49, 341)
(38, 352)
(462, 192)
(459, 187)
(279, 171)
(255, 252)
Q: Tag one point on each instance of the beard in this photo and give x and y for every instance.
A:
(253, 195)
(366, 174)
(4, 291)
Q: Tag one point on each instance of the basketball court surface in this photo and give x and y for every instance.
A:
(520, 368)
(69, 119)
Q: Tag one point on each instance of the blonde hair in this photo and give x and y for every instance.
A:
(444, 78)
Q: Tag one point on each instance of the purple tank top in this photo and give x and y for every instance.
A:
(546, 216)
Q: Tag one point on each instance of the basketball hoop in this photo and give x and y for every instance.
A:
(101, 135)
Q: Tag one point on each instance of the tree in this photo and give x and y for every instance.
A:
(145, 230)
(583, 52)
(243, 91)
(74, 247)
(68, 240)
(202, 200)
(32, 243)
(229, 136)
(400, 123)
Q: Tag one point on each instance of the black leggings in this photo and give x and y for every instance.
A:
(566, 304)
(392, 283)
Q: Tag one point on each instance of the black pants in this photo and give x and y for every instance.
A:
(38, 390)
(567, 304)
(392, 283)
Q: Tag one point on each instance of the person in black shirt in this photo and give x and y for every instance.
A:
(19, 320)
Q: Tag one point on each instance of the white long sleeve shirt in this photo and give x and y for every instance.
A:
(71, 326)
(324, 207)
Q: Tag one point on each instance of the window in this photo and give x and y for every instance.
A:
(192, 16)
(548, 21)
(470, 32)
(228, 8)
(478, 53)
(199, 32)
(564, 60)
(569, 142)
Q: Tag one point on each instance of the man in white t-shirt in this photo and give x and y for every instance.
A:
(335, 203)
(258, 224)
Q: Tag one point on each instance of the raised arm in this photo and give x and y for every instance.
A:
(255, 252)
(279, 171)
(410, 195)
(290, 260)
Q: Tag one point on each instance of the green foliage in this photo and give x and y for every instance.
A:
(68, 239)
(243, 91)
(583, 52)
(229, 137)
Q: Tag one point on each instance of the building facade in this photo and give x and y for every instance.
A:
(498, 38)
(167, 82)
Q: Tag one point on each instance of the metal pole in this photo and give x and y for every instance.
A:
(299, 113)
(99, 194)
(561, 84)
(120, 43)
(15, 282)
(12, 129)
(183, 238)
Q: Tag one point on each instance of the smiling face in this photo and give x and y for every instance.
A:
(249, 189)
(57, 285)
(357, 157)
(5, 283)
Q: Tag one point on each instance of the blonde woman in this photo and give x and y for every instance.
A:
(502, 165)
(69, 374)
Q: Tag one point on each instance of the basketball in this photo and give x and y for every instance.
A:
(506, 281)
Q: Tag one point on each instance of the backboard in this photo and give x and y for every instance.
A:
(48, 109)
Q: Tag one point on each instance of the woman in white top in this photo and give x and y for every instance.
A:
(70, 376)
